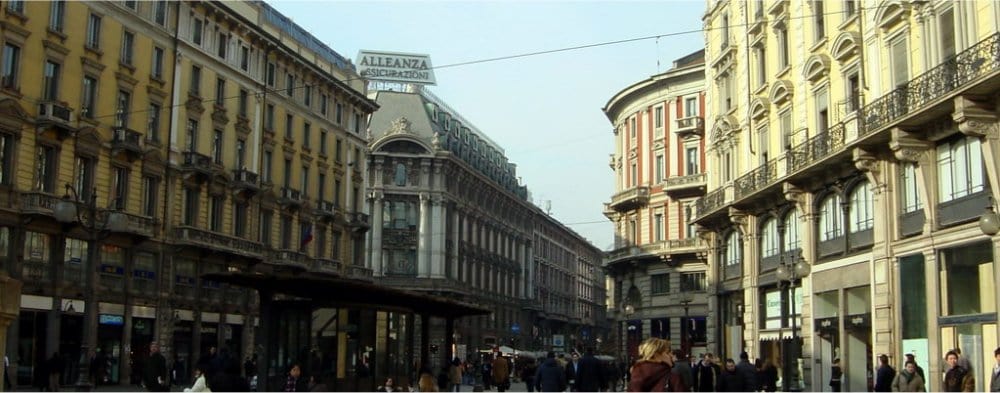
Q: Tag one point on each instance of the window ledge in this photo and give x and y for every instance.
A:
(57, 34)
(818, 45)
(783, 72)
(847, 22)
(94, 50)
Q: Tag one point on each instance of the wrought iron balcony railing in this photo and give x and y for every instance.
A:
(127, 140)
(710, 202)
(756, 179)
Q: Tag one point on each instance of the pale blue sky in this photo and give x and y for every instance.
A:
(545, 110)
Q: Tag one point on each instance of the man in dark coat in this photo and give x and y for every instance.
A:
(884, 375)
(706, 374)
(571, 367)
(589, 373)
(155, 373)
(748, 372)
(682, 367)
(732, 379)
(550, 376)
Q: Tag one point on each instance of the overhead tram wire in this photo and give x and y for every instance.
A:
(460, 64)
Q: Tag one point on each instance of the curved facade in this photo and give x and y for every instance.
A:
(657, 265)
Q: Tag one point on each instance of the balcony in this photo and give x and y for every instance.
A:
(326, 210)
(290, 197)
(196, 166)
(710, 202)
(246, 182)
(685, 186)
(358, 272)
(630, 199)
(38, 203)
(57, 116)
(214, 241)
(689, 127)
(658, 251)
(290, 258)
(358, 221)
(756, 179)
(140, 226)
(128, 141)
(324, 265)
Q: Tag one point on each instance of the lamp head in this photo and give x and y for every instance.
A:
(989, 222)
(782, 273)
(65, 210)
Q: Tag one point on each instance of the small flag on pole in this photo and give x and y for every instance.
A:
(307, 234)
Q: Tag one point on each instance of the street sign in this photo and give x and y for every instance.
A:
(515, 328)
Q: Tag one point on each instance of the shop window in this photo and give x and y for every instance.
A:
(112, 268)
(967, 280)
(913, 297)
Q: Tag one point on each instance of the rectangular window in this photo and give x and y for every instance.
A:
(632, 128)
(336, 192)
(764, 135)
(6, 159)
(853, 93)
(357, 123)
(960, 168)
(635, 175)
(785, 122)
(288, 173)
(160, 12)
(153, 125)
(913, 297)
(306, 131)
(128, 42)
(120, 180)
(16, 6)
(782, 35)
(89, 97)
(658, 117)
(760, 54)
(967, 282)
(289, 123)
(244, 58)
(849, 9)
(658, 227)
(900, 65)
(340, 113)
(691, 107)
(191, 206)
(50, 90)
(46, 169)
(692, 161)
(337, 153)
(307, 96)
(659, 283)
(84, 177)
(215, 212)
(323, 100)
(94, 32)
(149, 193)
(269, 118)
(946, 31)
(220, 92)
(689, 229)
(910, 197)
(131, 4)
(322, 142)
(264, 230)
(693, 282)
(197, 29)
(221, 45)
(11, 66)
(244, 103)
(266, 164)
(241, 152)
(286, 232)
(725, 91)
(192, 135)
(727, 167)
(217, 147)
(123, 108)
(321, 187)
(289, 85)
(195, 88)
(157, 71)
(659, 168)
(270, 74)
(304, 180)
(822, 111)
(57, 15)
(819, 25)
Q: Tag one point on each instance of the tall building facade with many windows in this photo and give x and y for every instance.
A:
(451, 217)
(861, 147)
(225, 136)
(657, 270)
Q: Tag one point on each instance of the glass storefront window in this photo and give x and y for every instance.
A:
(913, 296)
(967, 281)
(826, 304)
(36, 256)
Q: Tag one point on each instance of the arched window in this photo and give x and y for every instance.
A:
(792, 239)
(831, 224)
(861, 215)
(400, 176)
(769, 240)
(732, 249)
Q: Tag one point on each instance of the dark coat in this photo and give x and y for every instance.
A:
(227, 382)
(706, 377)
(768, 378)
(883, 378)
(155, 371)
(589, 375)
(959, 380)
(748, 372)
(994, 382)
(550, 377)
(732, 381)
(649, 377)
(685, 376)
(570, 370)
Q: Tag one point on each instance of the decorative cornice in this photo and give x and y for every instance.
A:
(974, 117)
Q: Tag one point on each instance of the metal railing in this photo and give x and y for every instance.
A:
(756, 179)
(215, 240)
(711, 201)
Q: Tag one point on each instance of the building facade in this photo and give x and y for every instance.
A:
(657, 269)
(165, 114)
(863, 149)
(451, 218)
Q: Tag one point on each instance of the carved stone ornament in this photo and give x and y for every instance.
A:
(400, 126)
(739, 220)
(867, 163)
(907, 147)
(795, 195)
(974, 117)
(436, 141)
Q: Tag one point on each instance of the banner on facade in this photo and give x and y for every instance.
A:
(396, 67)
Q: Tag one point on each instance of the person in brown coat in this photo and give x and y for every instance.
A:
(651, 373)
(907, 380)
(957, 379)
(501, 373)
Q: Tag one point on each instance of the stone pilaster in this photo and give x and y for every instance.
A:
(424, 237)
(438, 228)
(908, 148)
(375, 261)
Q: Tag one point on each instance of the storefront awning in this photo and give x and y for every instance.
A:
(333, 290)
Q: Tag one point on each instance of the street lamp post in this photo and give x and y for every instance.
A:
(628, 309)
(788, 272)
(685, 300)
(67, 213)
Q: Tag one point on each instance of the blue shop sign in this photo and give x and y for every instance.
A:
(116, 320)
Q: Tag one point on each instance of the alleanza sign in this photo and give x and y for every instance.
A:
(396, 67)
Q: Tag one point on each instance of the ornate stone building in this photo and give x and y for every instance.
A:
(857, 142)
(451, 217)
(657, 267)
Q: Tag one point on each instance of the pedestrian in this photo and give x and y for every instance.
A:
(652, 372)
(920, 370)
(55, 367)
(908, 380)
(963, 360)
(995, 378)
(683, 372)
(486, 372)
(455, 375)
(589, 373)
(550, 376)
(706, 374)
(155, 373)
(528, 374)
(200, 385)
(836, 373)
(571, 367)
(611, 375)
(884, 375)
(769, 376)
(747, 372)
(957, 378)
(6, 373)
(426, 381)
(501, 373)
(387, 387)
(731, 379)
(294, 382)
(207, 361)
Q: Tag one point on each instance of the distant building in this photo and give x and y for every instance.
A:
(657, 267)
(450, 217)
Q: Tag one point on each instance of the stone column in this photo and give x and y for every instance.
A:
(424, 237)
(10, 308)
(438, 228)
(908, 148)
(456, 240)
(375, 263)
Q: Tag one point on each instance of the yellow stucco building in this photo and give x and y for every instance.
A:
(196, 137)
(852, 149)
